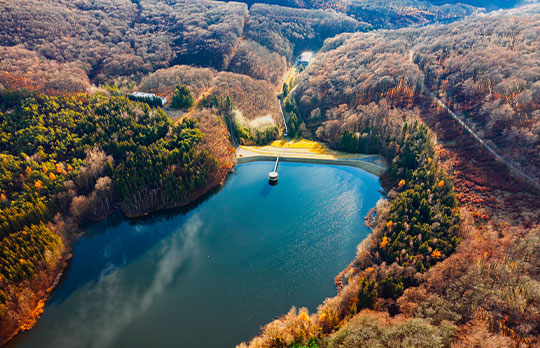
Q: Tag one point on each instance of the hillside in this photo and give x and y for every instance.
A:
(70, 160)
(120, 41)
(254, 98)
(390, 13)
(341, 5)
(121, 38)
(448, 94)
(485, 69)
(289, 31)
(362, 93)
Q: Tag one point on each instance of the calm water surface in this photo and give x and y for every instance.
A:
(211, 276)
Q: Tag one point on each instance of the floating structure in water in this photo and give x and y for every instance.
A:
(273, 175)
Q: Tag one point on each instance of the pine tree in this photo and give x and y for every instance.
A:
(182, 98)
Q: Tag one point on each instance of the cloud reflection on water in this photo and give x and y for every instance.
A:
(122, 294)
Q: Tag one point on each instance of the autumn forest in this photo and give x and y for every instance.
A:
(447, 92)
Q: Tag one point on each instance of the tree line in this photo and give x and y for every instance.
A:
(432, 273)
(70, 159)
(409, 237)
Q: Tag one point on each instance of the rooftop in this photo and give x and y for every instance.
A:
(306, 57)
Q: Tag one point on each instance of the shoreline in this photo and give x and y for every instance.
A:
(42, 296)
(44, 293)
(357, 163)
(32, 316)
(311, 151)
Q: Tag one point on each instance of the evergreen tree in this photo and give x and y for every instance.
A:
(285, 89)
(182, 98)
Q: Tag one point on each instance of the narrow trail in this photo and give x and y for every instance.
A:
(511, 167)
(283, 117)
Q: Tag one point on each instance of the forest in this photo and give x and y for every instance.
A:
(121, 38)
(288, 31)
(253, 98)
(69, 160)
(409, 237)
(67, 44)
(453, 254)
(452, 257)
(485, 69)
(393, 13)
(341, 5)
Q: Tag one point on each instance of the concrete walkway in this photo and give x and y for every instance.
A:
(309, 152)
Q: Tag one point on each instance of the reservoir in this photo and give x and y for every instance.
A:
(211, 275)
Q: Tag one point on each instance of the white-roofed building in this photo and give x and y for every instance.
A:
(305, 58)
(150, 96)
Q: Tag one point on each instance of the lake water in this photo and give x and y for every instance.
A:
(211, 276)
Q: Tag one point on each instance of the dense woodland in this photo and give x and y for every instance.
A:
(399, 14)
(414, 230)
(289, 31)
(451, 261)
(121, 41)
(253, 98)
(392, 13)
(485, 69)
(448, 275)
(69, 160)
(341, 5)
(253, 59)
(492, 81)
